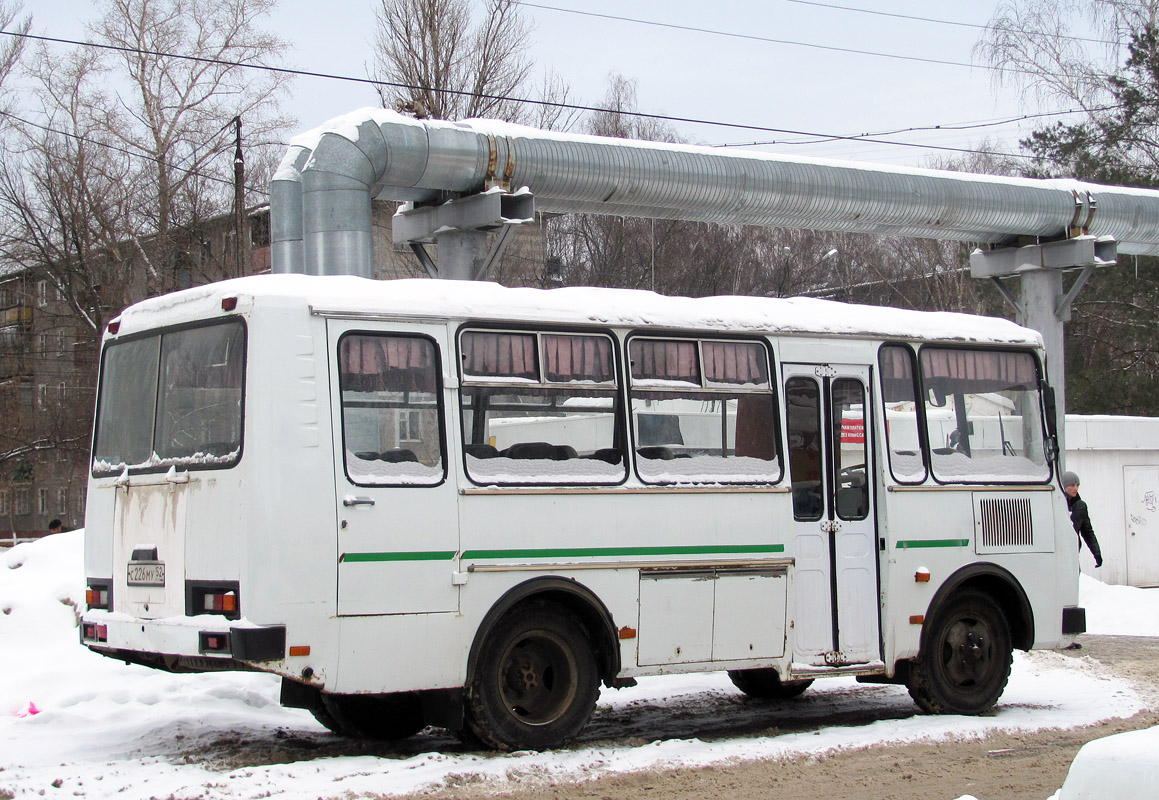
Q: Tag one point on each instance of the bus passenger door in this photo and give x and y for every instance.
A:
(397, 515)
(833, 515)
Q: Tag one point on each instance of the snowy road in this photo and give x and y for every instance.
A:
(107, 729)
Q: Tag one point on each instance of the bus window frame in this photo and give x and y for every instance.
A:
(615, 390)
(774, 389)
(440, 405)
(924, 393)
(919, 415)
(159, 333)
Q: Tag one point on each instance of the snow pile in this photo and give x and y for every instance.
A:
(1125, 765)
(1119, 610)
(75, 724)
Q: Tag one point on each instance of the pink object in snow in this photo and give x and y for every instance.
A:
(32, 711)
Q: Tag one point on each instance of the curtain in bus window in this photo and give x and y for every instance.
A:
(390, 410)
(736, 363)
(661, 359)
(953, 371)
(850, 460)
(899, 401)
(983, 415)
(499, 354)
(370, 363)
(578, 359)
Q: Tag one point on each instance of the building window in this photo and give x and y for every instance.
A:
(60, 390)
(23, 498)
(62, 500)
(410, 426)
(42, 501)
(62, 345)
(4, 502)
(42, 293)
(42, 395)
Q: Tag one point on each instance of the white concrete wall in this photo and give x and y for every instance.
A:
(1098, 450)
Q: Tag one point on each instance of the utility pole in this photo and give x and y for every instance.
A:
(241, 243)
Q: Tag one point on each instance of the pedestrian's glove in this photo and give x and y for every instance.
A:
(1098, 561)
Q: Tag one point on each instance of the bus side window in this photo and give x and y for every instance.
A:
(390, 409)
(540, 408)
(899, 399)
(703, 411)
(983, 415)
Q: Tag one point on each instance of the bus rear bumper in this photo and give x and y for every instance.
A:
(201, 643)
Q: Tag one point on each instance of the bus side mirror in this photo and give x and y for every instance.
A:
(1051, 408)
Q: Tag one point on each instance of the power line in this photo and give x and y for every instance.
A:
(770, 40)
(954, 23)
(550, 103)
(131, 153)
(948, 127)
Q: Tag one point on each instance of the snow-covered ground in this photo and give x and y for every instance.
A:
(74, 724)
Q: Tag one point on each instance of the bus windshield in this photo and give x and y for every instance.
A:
(171, 399)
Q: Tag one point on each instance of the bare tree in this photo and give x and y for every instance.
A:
(442, 65)
(11, 46)
(181, 108)
(437, 60)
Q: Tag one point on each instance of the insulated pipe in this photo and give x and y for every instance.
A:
(374, 153)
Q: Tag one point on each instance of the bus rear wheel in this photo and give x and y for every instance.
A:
(966, 658)
(372, 716)
(535, 683)
(766, 684)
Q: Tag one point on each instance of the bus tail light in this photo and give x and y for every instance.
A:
(220, 598)
(98, 595)
(213, 642)
(228, 303)
(92, 632)
(220, 602)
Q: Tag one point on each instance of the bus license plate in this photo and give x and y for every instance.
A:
(151, 574)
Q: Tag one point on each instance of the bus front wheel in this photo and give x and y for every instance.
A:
(766, 684)
(966, 658)
(535, 683)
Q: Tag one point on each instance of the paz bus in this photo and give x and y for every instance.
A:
(457, 504)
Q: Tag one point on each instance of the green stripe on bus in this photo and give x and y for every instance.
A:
(911, 543)
(433, 555)
(584, 552)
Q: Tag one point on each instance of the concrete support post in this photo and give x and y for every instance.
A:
(460, 252)
(1041, 294)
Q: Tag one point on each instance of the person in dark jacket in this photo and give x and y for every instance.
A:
(1080, 516)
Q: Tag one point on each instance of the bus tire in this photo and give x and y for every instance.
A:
(372, 716)
(965, 659)
(535, 683)
(766, 684)
(327, 719)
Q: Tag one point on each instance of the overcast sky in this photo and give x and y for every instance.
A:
(695, 74)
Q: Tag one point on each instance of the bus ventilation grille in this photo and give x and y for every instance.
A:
(1006, 522)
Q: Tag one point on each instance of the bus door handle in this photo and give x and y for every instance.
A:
(357, 501)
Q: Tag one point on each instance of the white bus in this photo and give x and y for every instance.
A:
(457, 504)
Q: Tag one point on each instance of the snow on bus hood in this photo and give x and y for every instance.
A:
(572, 305)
